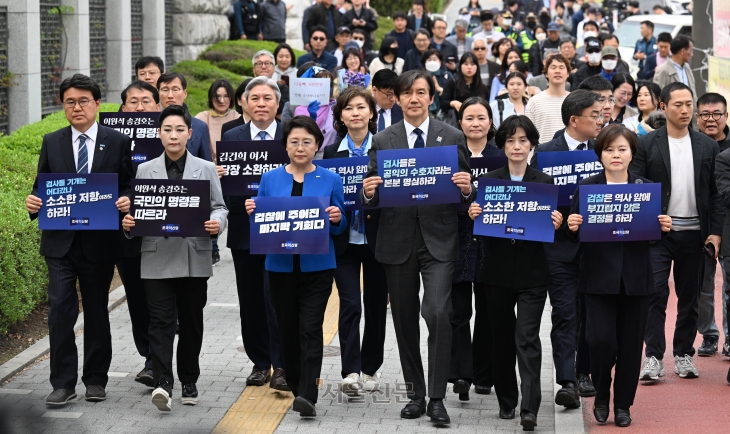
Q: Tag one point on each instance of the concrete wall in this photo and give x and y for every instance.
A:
(198, 24)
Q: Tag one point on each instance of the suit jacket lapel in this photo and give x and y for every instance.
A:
(99, 153)
(662, 142)
(67, 150)
(279, 131)
(158, 169)
(503, 173)
(696, 158)
(562, 143)
(434, 129)
(192, 169)
(400, 139)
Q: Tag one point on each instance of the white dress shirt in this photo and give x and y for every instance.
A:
(573, 144)
(413, 136)
(270, 131)
(386, 115)
(90, 143)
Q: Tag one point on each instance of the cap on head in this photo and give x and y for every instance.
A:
(593, 45)
(609, 51)
(553, 27)
(342, 29)
(531, 15)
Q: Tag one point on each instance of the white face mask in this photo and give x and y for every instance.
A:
(507, 22)
(609, 65)
(594, 58)
(590, 34)
(433, 65)
(540, 36)
(359, 42)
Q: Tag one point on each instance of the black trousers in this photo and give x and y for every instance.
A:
(189, 295)
(471, 359)
(583, 356)
(129, 271)
(684, 249)
(563, 298)
(369, 358)
(94, 280)
(259, 329)
(516, 337)
(615, 330)
(300, 300)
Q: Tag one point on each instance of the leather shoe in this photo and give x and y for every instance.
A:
(464, 396)
(567, 396)
(622, 418)
(145, 377)
(506, 413)
(528, 421)
(585, 386)
(414, 409)
(600, 412)
(95, 393)
(258, 377)
(278, 380)
(461, 386)
(482, 390)
(304, 407)
(437, 412)
(60, 397)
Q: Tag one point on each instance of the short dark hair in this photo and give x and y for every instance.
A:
(555, 58)
(648, 24)
(399, 14)
(509, 126)
(384, 79)
(308, 124)
(596, 83)
(679, 43)
(422, 31)
(666, 95)
(486, 15)
(606, 37)
(360, 31)
(711, 98)
(576, 102)
(80, 81)
(239, 93)
(288, 48)
(566, 40)
(405, 81)
(176, 110)
(590, 23)
(225, 84)
(609, 134)
(143, 62)
(170, 76)
(474, 100)
(664, 37)
(141, 85)
(431, 52)
(344, 98)
(433, 22)
(302, 69)
(318, 29)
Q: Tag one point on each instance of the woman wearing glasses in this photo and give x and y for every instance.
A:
(623, 90)
(302, 284)
(220, 110)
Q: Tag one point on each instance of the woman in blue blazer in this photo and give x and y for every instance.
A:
(616, 280)
(302, 284)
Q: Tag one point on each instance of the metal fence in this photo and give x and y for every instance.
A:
(4, 76)
(51, 54)
(97, 43)
(137, 31)
(169, 59)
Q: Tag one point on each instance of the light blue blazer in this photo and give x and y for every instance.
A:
(320, 182)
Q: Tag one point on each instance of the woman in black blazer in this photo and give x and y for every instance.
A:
(616, 280)
(516, 272)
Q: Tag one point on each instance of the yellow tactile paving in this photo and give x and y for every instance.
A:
(259, 409)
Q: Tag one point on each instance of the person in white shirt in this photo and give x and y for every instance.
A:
(544, 109)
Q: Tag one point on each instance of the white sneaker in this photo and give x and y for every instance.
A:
(371, 383)
(351, 384)
(161, 399)
(684, 367)
(653, 369)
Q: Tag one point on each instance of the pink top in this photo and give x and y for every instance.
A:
(324, 121)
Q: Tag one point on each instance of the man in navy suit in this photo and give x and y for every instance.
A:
(259, 329)
(173, 91)
(582, 113)
(663, 44)
(389, 112)
(84, 147)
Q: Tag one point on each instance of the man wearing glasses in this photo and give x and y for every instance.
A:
(712, 120)
(149, 69)
(172, 87)
(318, 42)
(263, 66)
(83, 147)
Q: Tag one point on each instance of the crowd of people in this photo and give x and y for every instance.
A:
(513, 82)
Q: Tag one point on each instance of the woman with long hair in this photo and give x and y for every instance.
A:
(387, 57)
(647, 101)
(467, 83)
(221, 105)
(512, 55)
(624, 90)
(285, 61)
(515, 101)
(500, 48)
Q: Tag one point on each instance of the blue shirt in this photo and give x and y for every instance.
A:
(680, 71)
(646, 47)
(355, 236)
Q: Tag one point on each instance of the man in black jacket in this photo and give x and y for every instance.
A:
(683, 160)
(84, 147)
(360, 17)
(325, 14)
(537, 51)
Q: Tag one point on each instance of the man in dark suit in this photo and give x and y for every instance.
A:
(582, 113)
(683, 160)
(318, 55)
(389, 112)
(326, 15)
(84, 147)
(663, 42)
(447, 49)
(259, 329)
(420, 239)
(173, 91)
(360, 17)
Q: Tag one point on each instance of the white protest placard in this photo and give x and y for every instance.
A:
(302, 91)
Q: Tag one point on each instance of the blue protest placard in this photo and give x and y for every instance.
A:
(290, 225)
(568, 168)
(624, 212)
(170, 207)
(479, 166)
(141, 127)
(352, 170)
(78, 202)
(519, 210)
(245, 162)
(418, 176)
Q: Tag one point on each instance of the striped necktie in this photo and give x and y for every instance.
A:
(82, 166)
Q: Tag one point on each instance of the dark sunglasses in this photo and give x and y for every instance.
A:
(478, 48)
(314, 38)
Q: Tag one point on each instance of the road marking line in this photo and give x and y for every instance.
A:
(117, 374)
(62, 414)
(16, 391)
(223, 305)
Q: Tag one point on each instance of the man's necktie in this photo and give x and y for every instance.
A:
(82, 166)
(381, 120)
(262, 135)
(581, 147)
(419, 140)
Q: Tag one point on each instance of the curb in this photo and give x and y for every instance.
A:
(43, 346)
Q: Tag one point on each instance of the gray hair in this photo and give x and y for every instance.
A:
(262, 80)
(461, 23)
(262, 53)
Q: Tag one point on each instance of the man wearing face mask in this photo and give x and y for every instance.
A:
(593, 66)
(609, 60)
(537, 52)
(608, 40)
(504, 25)
(515, 8)
(439, 42)
(527, 37)
(413, 57)
(590, 15)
